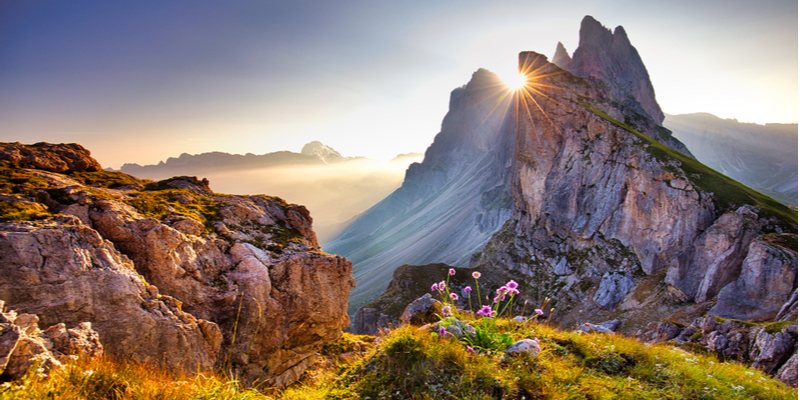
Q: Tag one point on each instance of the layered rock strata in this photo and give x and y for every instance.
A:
(171, 273)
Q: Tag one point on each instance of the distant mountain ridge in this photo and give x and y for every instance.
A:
(763, 157)
(313, 153)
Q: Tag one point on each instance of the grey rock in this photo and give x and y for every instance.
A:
(789, 310)
(788, 372)
(667, 331)
(614, 286)
(611, 325)
(770, 351)
(421, 311)
(530, 346)
(587, 327)
(768, 279)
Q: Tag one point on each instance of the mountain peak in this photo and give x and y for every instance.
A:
(610, 58)
(324, 152)
(562, 58)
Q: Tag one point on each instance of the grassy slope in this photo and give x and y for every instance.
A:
(412, 364)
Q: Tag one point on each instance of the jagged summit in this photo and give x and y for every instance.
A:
(562, 58)
(610, 58)
(583, 197)
(324, 152)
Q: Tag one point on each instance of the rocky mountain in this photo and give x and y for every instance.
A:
(590, 203)
(166, 272)
(325, 153)
(609, 60)
(763, 157)
(449, 205)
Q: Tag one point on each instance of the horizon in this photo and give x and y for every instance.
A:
(145, 82)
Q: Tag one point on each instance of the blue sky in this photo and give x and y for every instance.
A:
(141, 81)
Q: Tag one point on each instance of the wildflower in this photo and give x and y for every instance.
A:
(452, 271)
(511, 284)
(88, 372)
(435, 287)
(485, 310)
(471, 350)
(446, 311)
(467, 289)
(454, 296)
(476, 274)
(442, 285)
(442, 331)
(538, 311)
(512, 291)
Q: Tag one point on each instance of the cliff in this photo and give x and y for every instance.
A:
(168, 272)
(607, 218)
(449, 205)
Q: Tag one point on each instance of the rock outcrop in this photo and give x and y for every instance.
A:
(63, 157)
(771, 348)
(173, 274)
(23, 345)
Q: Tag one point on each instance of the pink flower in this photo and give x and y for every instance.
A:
(446, 311)
(485, 310)
(511, 284)
(442, 331)
(471, 350)
(452, 271)
(467, 289)
(454, 296)
(442, 285)
(476, 274)
(538, 311)
(435, 287)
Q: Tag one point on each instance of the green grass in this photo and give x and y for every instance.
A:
(410, 363)
(161, 203)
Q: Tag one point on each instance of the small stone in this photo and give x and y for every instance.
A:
(525, 346)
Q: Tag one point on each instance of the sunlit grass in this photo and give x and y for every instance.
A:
(410, 363)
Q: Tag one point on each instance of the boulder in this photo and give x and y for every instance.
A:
(421, 311)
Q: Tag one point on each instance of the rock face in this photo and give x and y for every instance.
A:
(23, 345)
(171, 273)
(449, 205)
(603, 211)
(771, 348)
(610, 58)
(607, 215)
(63, 271)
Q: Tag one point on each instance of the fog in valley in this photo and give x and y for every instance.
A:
(333, 193)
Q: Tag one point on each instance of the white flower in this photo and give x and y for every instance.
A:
(88, 372)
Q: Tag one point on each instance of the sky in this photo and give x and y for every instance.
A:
(140, 81)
